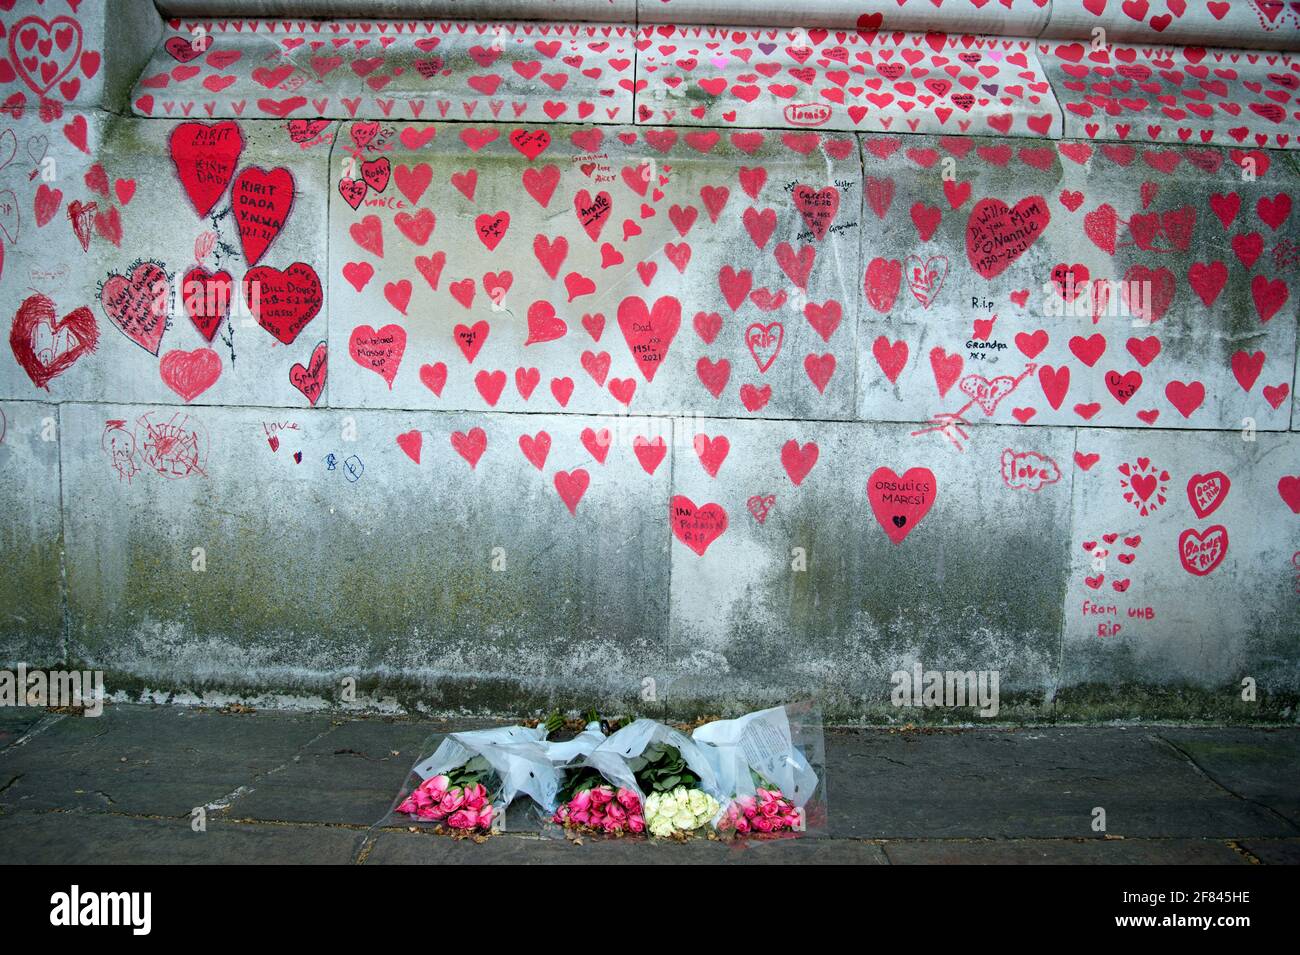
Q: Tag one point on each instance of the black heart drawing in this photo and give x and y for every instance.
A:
(899, 520)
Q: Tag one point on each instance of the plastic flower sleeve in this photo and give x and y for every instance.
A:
(647, 777)
(513, 761)
(773, 759)
(612, 756)
(570, 751)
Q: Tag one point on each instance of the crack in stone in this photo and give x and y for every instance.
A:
(223, 803)
(1196, 767)
(36, 730)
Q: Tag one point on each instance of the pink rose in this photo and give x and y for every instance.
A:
(742, 824)
(452, 800)
(611, 824)
(582, 800)
(617, 812)
(486, 816)
(435, 786)
(636, 822)
(628, 799)
(580, 817)
(475, 798)
(463, 819)
(408, 806)
(601, 795)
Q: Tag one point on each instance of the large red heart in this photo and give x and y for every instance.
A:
(764, 343)
(190, 373)
(206, 296)
(283, 302)
(45, 348)
(310, 380)
(997, 234)
(818, 208)
(380, 351)
(571, 485)
(798, 461)
(899, 503)
(1203, 551)
(261, 201)
(649, 331)
(205, 155)
(593, 212)
(1207, 491)
(696, 527)
(44, 52)
(1288, 486)
(137, 304)
(184, 50)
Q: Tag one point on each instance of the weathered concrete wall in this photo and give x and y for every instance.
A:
(679, 415)
(31, 534)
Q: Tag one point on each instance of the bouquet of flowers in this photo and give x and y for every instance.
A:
(762, 764)
(457, 798)
(765, 811)
(470, 779)
(596, 806)
(586, 801)
(645, 777)
(681, 810)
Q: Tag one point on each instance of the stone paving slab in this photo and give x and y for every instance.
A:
(953, 795)
(350, 775)
(162, 761)
(1274, 851)
(1034, 783)
(1096, 851)
(74, 838)
(1258, 767)
(408, 848)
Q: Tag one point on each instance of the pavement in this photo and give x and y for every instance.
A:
(312, 787)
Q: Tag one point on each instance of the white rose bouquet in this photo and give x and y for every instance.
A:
(673, 781)
(680, 810)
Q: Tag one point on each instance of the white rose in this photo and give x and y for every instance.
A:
(684, 820)
(682, 797)
(661, 827)
(698, 800)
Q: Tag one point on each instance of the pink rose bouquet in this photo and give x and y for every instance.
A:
(602, 808)
(463, 808)
(766, 811)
